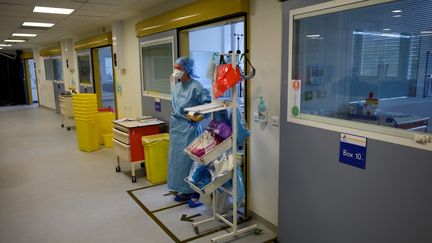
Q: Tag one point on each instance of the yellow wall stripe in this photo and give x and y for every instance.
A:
(95, 41)
(51, 51)
(26, 55)
(196, 12)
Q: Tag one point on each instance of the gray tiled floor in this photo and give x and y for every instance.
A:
(153, 199)
(52, 192)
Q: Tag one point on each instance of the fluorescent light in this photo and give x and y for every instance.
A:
(23, 35)
(397, 16)
(50, 10)
(386, 29)
(1, 48)
(313, 36)
(5, 45)
(14, 40)
(37, 24)
(397, 11)
(393, 35)
(426, 32)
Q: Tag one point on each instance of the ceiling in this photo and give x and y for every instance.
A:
(89, 15)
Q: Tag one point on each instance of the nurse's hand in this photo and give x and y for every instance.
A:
(195, 118)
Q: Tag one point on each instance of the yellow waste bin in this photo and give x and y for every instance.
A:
(105, 119)
(156, 157)
(87, 134)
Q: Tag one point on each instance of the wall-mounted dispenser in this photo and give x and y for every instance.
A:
(262, 114)
(118, 45)
(67, 52)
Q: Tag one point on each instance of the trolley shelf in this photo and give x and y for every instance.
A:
(210, 107)
(213, 154)
(212, 186)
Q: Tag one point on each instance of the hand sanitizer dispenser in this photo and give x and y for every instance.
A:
(261, 116)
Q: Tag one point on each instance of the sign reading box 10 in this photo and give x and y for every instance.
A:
(352, 150)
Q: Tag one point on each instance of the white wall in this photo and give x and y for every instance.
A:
(129, 99)
(265, 53)
(45, 88)
(129, 82)
(70, 75)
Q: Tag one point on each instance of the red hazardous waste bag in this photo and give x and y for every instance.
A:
(226, 77)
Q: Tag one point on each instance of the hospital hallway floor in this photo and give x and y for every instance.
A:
(52, 192)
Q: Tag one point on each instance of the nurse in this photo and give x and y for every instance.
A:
(183, 130)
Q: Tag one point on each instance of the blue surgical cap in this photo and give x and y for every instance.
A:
(188, 65)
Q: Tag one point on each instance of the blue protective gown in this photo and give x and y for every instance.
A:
(183, 132)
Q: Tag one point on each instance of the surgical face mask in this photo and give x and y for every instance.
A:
(178, 74)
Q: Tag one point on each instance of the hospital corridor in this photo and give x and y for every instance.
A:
(243, 121)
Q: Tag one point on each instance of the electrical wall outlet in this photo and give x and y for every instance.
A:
(275, 121)
(256, 117)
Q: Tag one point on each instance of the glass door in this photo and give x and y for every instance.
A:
(85, 74)
(204, 44)
(103, 76)
(30, 76)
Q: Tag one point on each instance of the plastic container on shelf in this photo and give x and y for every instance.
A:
(87, 135)
(211, 155)
(156, 157)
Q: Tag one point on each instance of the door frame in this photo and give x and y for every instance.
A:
(28, 81)
(94, 57)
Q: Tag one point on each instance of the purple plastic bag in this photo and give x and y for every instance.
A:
(220, 129)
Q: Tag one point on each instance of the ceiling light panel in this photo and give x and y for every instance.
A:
(38, 24)
(23, 35)
(14, 40)
(50, 10)
(5, 45)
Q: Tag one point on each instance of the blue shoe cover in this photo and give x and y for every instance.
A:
(193, 204)
(182, 197)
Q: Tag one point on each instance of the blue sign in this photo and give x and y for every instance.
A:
(158, 106)
(352, 150)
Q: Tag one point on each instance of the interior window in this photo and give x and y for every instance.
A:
(57, 68)
(84, 69)
(368, 64)
(157, 65)
(48, 69)
(206, 43)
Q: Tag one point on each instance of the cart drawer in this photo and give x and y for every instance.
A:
(121, 150)
(121, 136)
(121, 128)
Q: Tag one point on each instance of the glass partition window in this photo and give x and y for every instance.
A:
(157, 66)
(53, 68)
(57, 68)
(206, 43)
(366, 64)
(84, 69)
(48, 69)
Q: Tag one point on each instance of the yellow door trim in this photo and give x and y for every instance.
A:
(27, 77)
(193, 13)
(26, 55)
(114, 83)
(93, 42)
(96, 76)
(50, 51)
